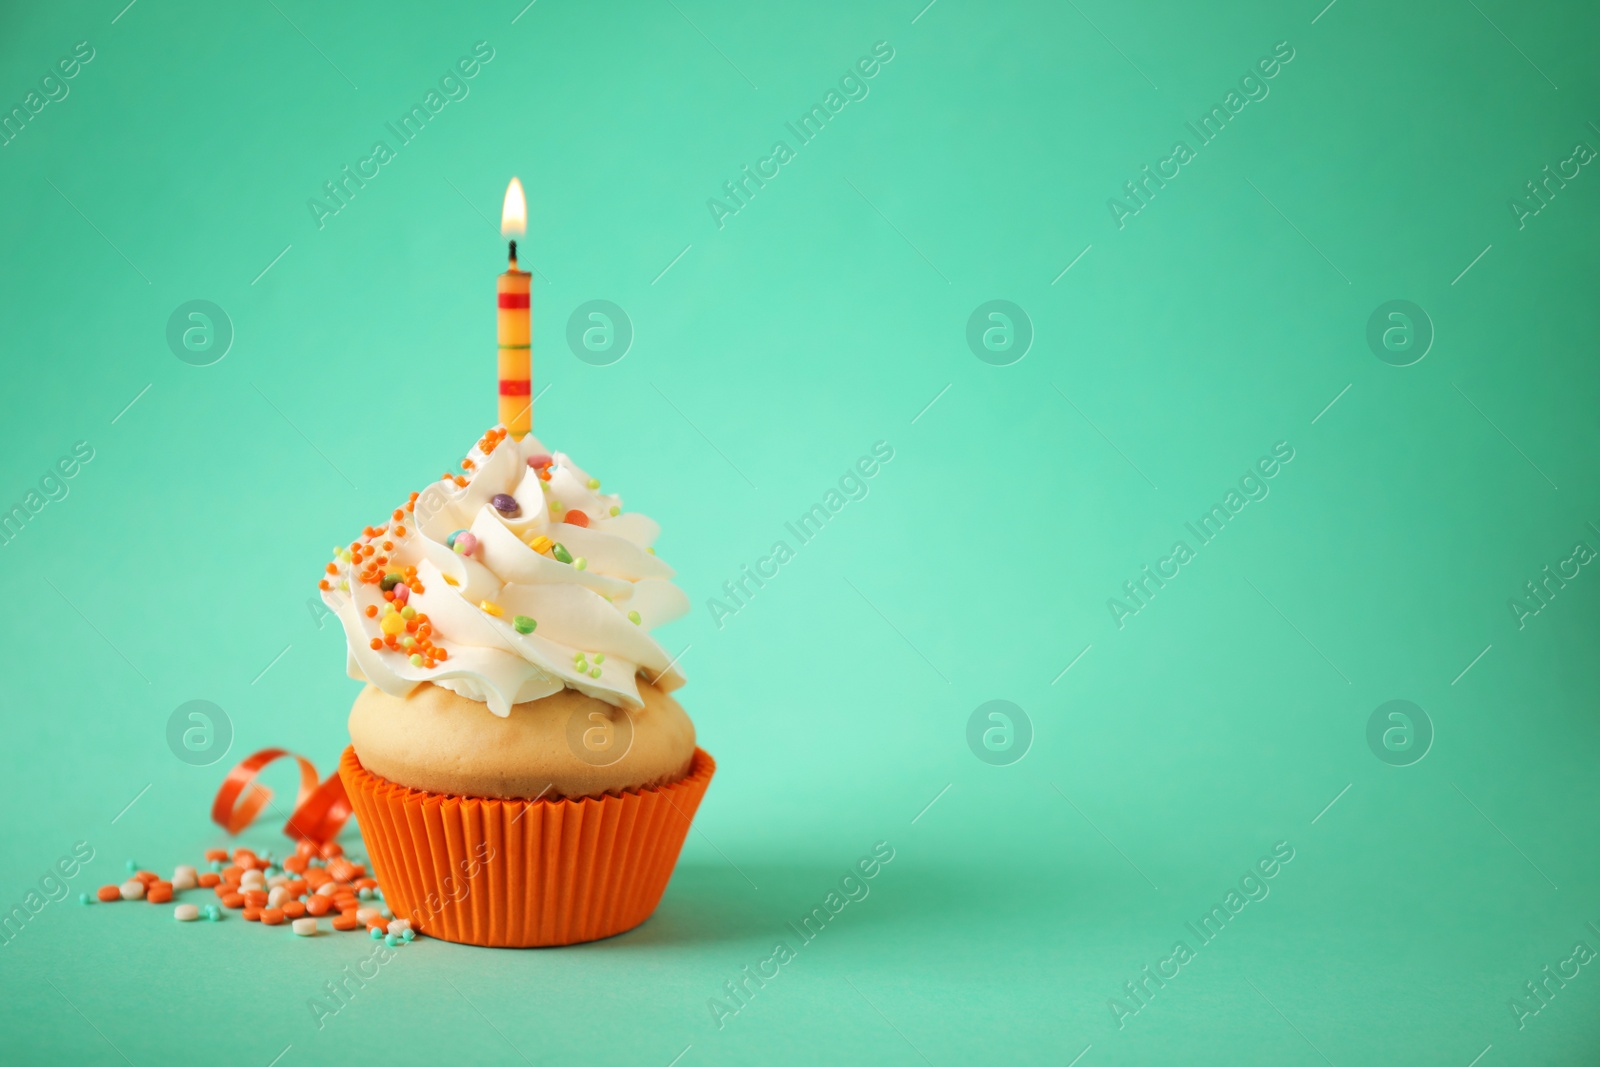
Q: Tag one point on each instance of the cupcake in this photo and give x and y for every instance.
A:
(520, 769)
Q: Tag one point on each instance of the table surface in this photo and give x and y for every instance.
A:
(1216, 344)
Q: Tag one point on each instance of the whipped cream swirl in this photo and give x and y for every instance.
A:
(556, 586)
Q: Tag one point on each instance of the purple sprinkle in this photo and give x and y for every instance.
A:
(506, 504)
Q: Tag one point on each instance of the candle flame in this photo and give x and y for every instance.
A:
(514, 216)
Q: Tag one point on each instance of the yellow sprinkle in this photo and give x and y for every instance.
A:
(449, 580)
(541, 543)
(392, 623)
(490, 606)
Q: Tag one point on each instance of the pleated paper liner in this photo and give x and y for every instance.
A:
(519, 874)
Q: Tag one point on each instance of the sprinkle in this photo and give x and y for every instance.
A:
(186, 913)
(450, 581)
(465, 544)
(599, 657)
(402, 593)
(83, 898)
(305, 927)
(392, 623)
(594, 483)
(408, 613)
(542, 459)
(132, 889)
(451, 540)
(345, 555)
(390, 580)
(506, 505)
(560, 552)
(408, 642)
(541, 544)
(408, 934)
(577, 657)
(416, 660)
(582, 563)
(595, 673)
(491, 607)
(633, 617)
(577, 518)
(615, 510)
(523, 624)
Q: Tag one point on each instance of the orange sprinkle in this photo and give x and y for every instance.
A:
(340, 922)
(108, 893)
(318, 906)
(252, 915)
(158, 894)
(209, 880)
(372, 611)
(296, 864)
(293, 909)
(398, 515)
(233, 900)
(399, 531)
(332, 569)
(323, 585)
(271, 916)
(377, 643)
(219, 854)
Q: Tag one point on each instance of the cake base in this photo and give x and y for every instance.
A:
(517, 873)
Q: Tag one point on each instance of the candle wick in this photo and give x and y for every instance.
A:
(513, 253)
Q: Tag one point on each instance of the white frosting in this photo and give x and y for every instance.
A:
(576, 610)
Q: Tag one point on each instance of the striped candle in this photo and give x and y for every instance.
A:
(516, 353)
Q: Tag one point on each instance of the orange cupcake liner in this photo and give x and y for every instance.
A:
(517, 873)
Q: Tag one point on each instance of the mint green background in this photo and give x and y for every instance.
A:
(821, 319)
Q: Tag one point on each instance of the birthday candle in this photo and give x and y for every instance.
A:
(515, 324)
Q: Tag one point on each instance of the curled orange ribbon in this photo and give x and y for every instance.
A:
(320, 808)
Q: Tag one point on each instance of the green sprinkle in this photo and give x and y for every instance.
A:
(599, 657)
(345, 586)
(559, 551)
(83, 898)
(633, 617)
(408, 641)
(345, 555)
(615, 510)
(595, 673)
(594, 483)
(132, 866)
(651, 550)
(390, 580)
(408, 612)
(523, 624)
(416, 659)
(582, 563)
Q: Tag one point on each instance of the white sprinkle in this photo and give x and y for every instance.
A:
(132, 889)
(305, 927)
(186, 913)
